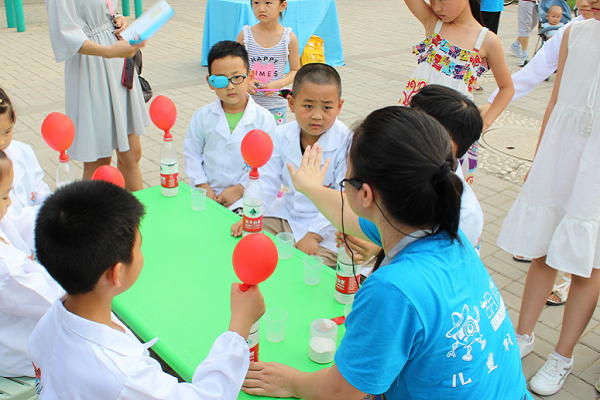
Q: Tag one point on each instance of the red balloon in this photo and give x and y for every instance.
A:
(163, 113)
(58, 131)
(257, 147)
(110, 174)
(254, 258)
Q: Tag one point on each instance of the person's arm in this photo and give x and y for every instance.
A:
(424, 14)
(308, 179)
(496, 61)
(294, 60)
(119, 49)
(562, 58)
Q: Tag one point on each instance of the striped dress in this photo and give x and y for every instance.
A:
(268, 65)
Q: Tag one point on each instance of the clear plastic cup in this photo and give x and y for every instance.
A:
(323, 341)
(285, 245)
(275, 320)
(198, 198)
(312, 270)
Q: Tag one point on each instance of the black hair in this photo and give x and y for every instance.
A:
(84, 229)
(319, 74)
(6, 106)
(5, 165)
(476, 10)
(280, 13)
(459, 115)
(228, 48)
(406, 156)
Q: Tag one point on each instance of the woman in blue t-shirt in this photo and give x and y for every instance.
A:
(429, 323)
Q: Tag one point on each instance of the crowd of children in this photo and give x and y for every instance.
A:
(408, 207)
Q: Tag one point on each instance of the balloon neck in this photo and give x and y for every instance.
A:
(244, 287)
(254, 173)
(63, 157)
(168, 137)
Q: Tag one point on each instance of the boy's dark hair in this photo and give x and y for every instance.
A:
(84, 229)
(319, 74)
(459, 115)
(226, 48)
(6, 106)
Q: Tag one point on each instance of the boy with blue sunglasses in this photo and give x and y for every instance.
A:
(212, 145)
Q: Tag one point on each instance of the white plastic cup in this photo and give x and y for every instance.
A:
(198, 199)
(347, 309)
(312, 270)
(285, 245)
(275, 320)
(323, 341)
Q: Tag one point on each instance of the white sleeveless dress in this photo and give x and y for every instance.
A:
(557, 212)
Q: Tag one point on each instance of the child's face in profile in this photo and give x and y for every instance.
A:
(554, 16)
(5, 186)
(316, 107)
(233, 95)
(130, 273)
(6, 131)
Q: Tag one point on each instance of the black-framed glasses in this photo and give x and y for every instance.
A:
(221, 81)
(355, 183)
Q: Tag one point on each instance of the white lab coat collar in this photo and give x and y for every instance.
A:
(329, 141)
(15, 152)
(112, 339)
(223, 126)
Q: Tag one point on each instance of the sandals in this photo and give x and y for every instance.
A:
(520, 258)
(478, 89)
(561, 291)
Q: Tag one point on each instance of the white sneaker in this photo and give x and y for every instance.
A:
(525, 343)
(524, 60)
(550, 378)
(516, 50)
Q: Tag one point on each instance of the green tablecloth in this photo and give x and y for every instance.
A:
(182, 295)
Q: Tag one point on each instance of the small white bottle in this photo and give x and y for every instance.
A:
(253, 206)
(253, 339)
(169, 167)
(347, 278)
(65, 173)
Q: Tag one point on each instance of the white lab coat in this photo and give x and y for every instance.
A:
(28, 191)
(540, 67)
(302, 215)
(26, 292)
(79, 359)
(471, 215)
(213, 154)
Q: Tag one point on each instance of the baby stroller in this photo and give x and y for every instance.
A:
(546, 32)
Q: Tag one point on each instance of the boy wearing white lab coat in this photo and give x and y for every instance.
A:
(26, 289)
(87, 236)
(212, 145)
(316, 102)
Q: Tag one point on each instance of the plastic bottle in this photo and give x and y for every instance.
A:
(253, 206)
(346, 278)
(169, 167)
(253, 339)
(64, 173)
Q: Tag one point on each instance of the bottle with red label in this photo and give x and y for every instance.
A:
(169, 167)
(253, 206)
(346, 279)
(253, 339)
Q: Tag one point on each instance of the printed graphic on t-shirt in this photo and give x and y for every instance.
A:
(264, 72)
(465, 332)
(494, 306)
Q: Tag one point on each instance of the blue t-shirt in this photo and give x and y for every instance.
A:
(492, 5)
(431, 325)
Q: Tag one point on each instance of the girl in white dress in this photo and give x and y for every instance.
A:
(556, 217)
(106, 114)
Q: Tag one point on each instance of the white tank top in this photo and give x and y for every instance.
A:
(268, 65)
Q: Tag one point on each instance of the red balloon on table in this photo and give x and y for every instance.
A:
(257, 147)
(163, 113)
(254, 259)
(58, 131)
(110, 174)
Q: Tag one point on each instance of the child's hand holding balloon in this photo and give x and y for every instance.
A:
(246, 308)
